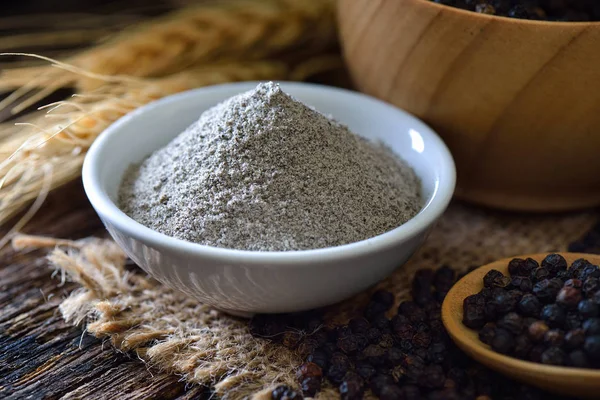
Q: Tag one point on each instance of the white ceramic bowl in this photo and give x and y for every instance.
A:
(246, 282)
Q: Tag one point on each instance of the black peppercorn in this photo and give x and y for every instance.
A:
(536, 352)
(575, 283)
(503, 341)
(283, 392)
(553, 356)
(383, 297)
(390, 392)
(588, 309)
(380, 381)
(486, 334)
(386, 341)
(589, 271)
(592, 326)
(591, 286)
(495, 278)
(578, 359)
(569, 297)
(474, 315)
(512, 322)
(537, 331)
(307, 370)
(554, 263)
(319, 358)
(373, 335)
(574, 339)
(348, 344)
(339, 364)
(515, 267)
(504, 302)
(554, 315)
(523, 346)
(546, 290)
(352, 387)
(573, 321)
(540, 274)
(443, 279)
(433, 377)
(522, 283)
(310, 386)
(529, 306)
(554, 338)
(359, 325)
(578, 266)
(563, 275)
(591, 347)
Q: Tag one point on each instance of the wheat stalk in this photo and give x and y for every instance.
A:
(49, 152)
(231, 30)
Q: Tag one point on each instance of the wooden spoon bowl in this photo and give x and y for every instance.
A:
(515, 100)
(584, 383)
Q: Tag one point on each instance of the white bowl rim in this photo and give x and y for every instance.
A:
(106, 208)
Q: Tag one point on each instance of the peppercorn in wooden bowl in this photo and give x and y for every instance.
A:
(579, 382)
(516, 101)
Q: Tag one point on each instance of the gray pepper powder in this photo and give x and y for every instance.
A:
(262, 171)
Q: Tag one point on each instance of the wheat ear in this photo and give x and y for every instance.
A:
(50, 151)
(229, 30)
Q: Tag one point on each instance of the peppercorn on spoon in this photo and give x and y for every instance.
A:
(579, 382)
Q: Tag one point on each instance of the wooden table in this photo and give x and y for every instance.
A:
(41, 356)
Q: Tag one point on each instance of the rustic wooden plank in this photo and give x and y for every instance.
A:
(41, 356)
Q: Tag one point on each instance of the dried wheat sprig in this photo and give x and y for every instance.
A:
(51, 152)
(235, 30)
(59, 38)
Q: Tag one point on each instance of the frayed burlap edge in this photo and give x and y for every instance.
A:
(165, 329)
(175, 334)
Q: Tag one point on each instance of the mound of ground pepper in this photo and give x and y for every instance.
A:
(548, 10)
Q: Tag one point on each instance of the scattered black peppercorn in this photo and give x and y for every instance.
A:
(284, 392)
(411, 356)
(310, 386)
(352, 387)
(556, 322)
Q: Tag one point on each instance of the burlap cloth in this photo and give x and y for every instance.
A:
(173, 333)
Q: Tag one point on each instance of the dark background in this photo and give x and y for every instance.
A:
(16, 7)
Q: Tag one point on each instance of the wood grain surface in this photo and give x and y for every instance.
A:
(42, 357)
(516, 101)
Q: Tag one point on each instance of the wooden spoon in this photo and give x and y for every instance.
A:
(564, 380)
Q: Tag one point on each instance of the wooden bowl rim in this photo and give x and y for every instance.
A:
(507, 20)
(454, 326)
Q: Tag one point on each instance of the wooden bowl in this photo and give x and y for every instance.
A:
(578, 382)
(517, 101)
